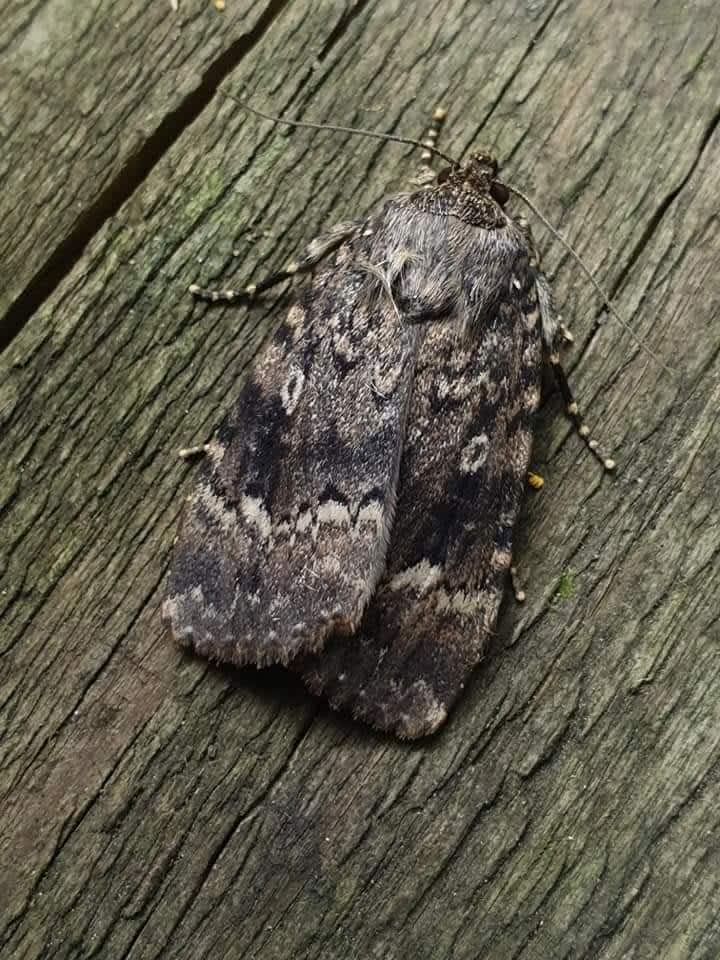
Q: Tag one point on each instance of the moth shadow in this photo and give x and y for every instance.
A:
(274, 686)
(278, 689)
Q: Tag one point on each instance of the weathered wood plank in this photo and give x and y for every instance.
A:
(154, 806)
(94, 93)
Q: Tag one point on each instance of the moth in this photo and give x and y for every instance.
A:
(353, 518)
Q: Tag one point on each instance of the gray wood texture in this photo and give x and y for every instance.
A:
(156, 807)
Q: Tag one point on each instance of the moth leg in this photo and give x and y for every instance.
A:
(426, 175)
(553, 329)
(564, 333)
(312, 254)
(193, 453)
(573, 412)
(516, 586)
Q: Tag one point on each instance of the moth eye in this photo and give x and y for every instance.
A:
(443, 174)
(499, 192)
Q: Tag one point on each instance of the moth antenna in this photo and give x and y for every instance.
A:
(604, 296)
(331, 126)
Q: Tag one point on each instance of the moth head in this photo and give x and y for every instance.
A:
(479, 173)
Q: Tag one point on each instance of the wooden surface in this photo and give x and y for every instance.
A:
(154, 806)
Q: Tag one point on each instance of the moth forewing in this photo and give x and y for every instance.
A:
(284, 535)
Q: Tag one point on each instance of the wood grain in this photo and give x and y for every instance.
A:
(156, 807)
(95, 94)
